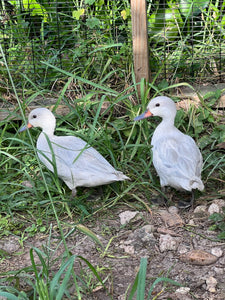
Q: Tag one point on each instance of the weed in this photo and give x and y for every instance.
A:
(219, 223)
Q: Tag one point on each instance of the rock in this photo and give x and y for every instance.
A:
(128, 249)
(220, 203)
(9, 244)
(182, 294)
(211, 283)
(127, 216)
(173, 210)
(219, 271)
(182, 249)
(171, 219)
(182, 290)
(213, 208)
(140, 239)
(145, 234)
(122, 297)
(201, 212)
(167, 242)
(191, 223)
(198, 257)
(218, 252)
(27, 184)
(165, 230)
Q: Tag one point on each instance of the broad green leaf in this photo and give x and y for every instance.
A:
(125, 13)
(78, 13)
(192, 7)
(93, 22)
(165, 24)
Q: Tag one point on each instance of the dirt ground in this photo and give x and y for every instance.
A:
(166, 236)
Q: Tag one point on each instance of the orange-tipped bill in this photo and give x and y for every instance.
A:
(25, 127)
(146, 114)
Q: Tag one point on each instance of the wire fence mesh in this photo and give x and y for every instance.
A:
(187, 39)
(70, 35)
(92, 38)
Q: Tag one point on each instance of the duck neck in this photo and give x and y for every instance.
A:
(49, 131)
(167, 123)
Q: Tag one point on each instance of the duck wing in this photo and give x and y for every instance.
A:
(76, 162)
(178, 162)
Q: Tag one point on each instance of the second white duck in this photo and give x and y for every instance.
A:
(176, 157)
(75, 162)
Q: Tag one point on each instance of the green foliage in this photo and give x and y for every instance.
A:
(48, 284)
(185, 36)
(140, 282)
(219, 223)
(192, 7)
(85, 40)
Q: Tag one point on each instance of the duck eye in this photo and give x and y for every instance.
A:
(34, 116)
(157, 104)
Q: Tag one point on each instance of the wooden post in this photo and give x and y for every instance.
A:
(140, 40)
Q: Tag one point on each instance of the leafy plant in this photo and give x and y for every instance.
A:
(219, 220)
(48, 284)
(140, 282)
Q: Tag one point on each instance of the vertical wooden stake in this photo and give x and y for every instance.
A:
(140, 40)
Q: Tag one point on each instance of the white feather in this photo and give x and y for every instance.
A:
(77, 163)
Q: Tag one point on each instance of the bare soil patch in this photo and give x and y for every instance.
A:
(166, 236)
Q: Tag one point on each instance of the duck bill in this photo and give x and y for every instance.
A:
(28, 126)
(145, 115)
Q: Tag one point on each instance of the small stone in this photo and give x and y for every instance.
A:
(198, 257)
(127, 246)
(173, 209)
(211, 283)
(148, 228)
(129, 249)
(213, 208)
(27, 184)
(218, 252)
(182, 249)
(182, 290)
(127, 216)
(9, 244)
(201, 212)
(200, 208)
(145, 234)
(167, 242)
(220, 203)
(122, 297)
(219, 271)
(191, 222)
(171, 219)
(165, 230)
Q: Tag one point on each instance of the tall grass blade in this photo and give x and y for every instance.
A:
(142, 279)
(86, 81)
(164, 279)
(89, 233)
(58, 294)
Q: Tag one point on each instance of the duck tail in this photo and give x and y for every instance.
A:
(197, 184)
(121, 176)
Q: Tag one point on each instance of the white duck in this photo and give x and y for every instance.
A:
(176, 157)
(76, 163)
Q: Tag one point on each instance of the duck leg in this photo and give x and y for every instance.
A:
(73, 194)
(186, 204)
(160, 199)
